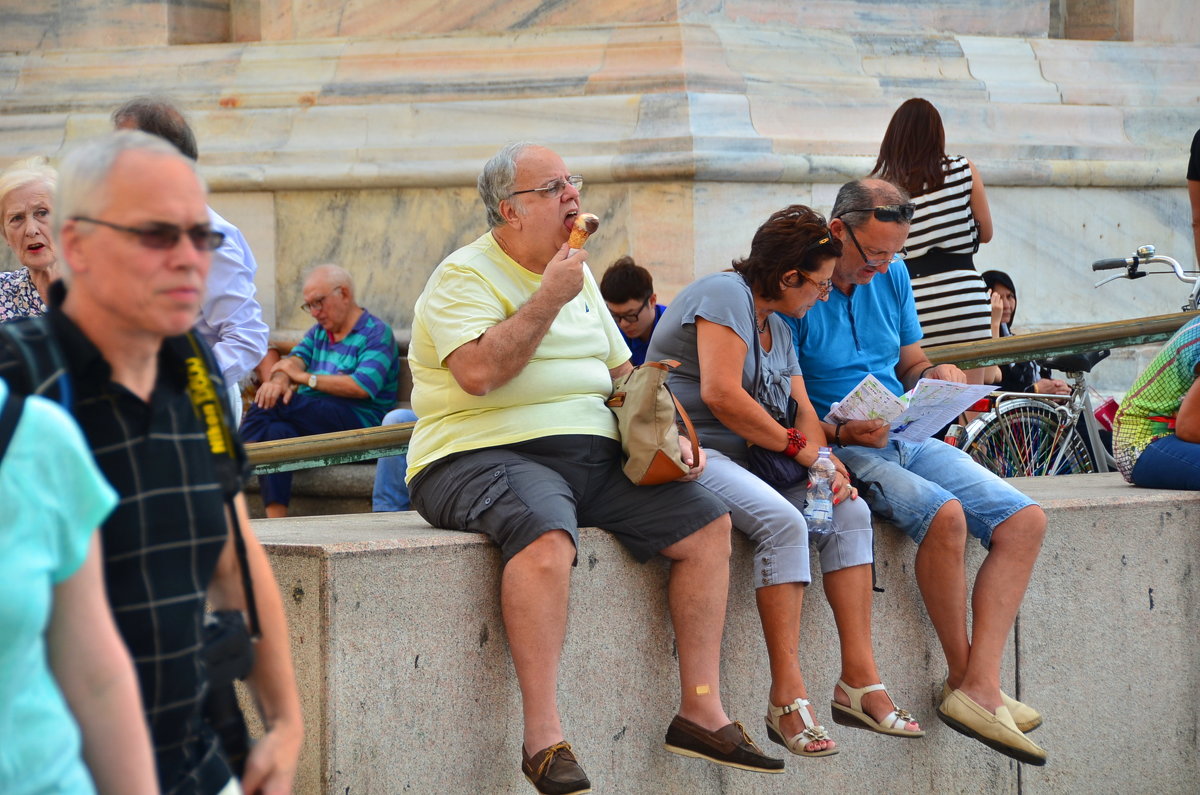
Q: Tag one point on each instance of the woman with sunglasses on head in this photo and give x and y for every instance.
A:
(26, 196)
(738, 379)
(950, 221)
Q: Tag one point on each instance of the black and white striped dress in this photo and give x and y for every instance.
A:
(952, 302)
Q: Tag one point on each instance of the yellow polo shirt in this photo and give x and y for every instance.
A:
(560, 391)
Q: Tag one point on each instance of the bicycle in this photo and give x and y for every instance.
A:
(1032, 434)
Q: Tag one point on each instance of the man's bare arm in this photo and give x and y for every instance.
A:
(495, 357)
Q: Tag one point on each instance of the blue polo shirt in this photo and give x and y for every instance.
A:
(840, 340)
(637, 347)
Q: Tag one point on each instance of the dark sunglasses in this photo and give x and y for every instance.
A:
(161, 236)
(893, 213)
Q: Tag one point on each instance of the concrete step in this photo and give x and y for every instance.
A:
(407, 685)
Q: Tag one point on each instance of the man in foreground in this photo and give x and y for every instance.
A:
(343, 375)
(932, 491)
(133, 230)
(512, 357)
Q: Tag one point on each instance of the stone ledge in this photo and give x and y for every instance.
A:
(406, 681)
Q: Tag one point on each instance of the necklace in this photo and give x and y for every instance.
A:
(762, 327)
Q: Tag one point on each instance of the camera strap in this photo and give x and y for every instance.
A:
(210, 410)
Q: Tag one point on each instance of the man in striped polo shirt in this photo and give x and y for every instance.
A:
(343, 375)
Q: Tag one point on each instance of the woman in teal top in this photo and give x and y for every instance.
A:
(63, 666)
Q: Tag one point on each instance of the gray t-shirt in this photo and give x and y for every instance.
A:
(722, 298)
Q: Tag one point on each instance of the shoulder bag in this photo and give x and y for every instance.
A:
(646, 410)
(772, 466)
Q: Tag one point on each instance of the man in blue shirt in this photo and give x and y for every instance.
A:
(932, 491)
(628, 291)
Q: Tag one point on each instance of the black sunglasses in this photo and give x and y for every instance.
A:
(893, 213)
(161, 236)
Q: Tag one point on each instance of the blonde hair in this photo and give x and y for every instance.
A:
(27, 172)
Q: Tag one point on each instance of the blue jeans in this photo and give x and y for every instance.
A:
(391, 492)
(908, 483)
(303, 416)
(1168, 463)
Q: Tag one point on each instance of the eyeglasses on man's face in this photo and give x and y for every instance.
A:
(554, 189)
(316, 304)
(161, 236)
(877, 262)
(631, 317)
(823, 288)
(892, 213)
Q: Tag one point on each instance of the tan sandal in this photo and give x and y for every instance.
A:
(855, 717)
(812, 733)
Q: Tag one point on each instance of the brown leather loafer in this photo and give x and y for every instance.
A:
(728, 745)
(555, 771)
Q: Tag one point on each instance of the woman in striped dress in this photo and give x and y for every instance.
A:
(951, 220)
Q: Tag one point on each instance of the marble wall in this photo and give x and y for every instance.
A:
(691, 121)
(84, 24)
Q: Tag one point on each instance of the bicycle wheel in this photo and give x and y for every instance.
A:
(1025, 437)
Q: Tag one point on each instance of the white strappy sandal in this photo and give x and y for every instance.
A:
(856, 717)
(812, 732)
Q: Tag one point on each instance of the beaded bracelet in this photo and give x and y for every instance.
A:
(796, 443)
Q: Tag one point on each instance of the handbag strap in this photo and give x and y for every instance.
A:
(688, 430)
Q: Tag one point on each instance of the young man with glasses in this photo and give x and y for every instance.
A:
(933, 492)
(343, 375)
(628, 290)
(513, 356)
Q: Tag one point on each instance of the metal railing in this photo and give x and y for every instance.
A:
(344, 447)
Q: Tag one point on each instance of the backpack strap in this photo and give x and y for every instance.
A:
(10, 415)
(43, 362)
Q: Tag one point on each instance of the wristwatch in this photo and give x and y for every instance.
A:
(312, 381)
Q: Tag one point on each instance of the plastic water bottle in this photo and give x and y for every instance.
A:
(818, 511)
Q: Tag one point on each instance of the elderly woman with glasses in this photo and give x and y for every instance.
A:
(26, 199)
(741, 384)
(951, 219)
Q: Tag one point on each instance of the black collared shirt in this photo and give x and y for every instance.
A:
(161, 543)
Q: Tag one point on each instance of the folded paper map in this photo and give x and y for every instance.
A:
(915, 415)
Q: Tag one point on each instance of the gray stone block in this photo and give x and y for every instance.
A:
(407, 683)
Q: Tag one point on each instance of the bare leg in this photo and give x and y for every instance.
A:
(779, 610)
(697, 592)
(999, 588)
(942, 578)
(275, 510)
(534, 588)
(849, 594)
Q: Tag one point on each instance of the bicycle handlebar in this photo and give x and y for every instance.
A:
(1113, 264)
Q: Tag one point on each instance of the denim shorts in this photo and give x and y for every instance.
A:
(516, 493)
(907, 483)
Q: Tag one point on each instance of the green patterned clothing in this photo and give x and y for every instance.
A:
(1155, 396)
